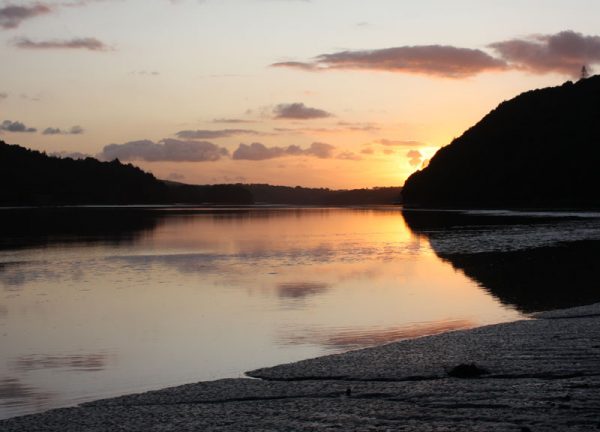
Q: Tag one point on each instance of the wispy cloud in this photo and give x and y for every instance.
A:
(75, 130)
(563, 52)
(437, 60)
(72, 155)
(298, 111)
(365, 127)
(3, 95)
(11, 16)
(91, 44)
(151, 73)
(334, 129)
(214, 134)
(15, 126)
(164, 150)
(258, 151)
(399, 143)
(80, 3)
(232, 121)
(348, 155)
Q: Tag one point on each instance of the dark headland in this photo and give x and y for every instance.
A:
(540, 149)
(30, 177)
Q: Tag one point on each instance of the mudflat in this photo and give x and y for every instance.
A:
(541, 374)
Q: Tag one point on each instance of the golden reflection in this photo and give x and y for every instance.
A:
(210, 293)
(365, 337)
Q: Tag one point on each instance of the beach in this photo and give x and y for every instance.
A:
(541, 374)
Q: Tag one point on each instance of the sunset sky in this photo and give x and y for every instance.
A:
(332, 93)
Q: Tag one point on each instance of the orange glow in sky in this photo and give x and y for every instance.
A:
(329, 93)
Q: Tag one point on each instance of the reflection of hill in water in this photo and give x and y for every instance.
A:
(39, 227)
(555, 269)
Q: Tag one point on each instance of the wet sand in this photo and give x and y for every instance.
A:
(533, 375)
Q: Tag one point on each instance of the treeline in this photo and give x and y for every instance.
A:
(29, 177)
(265, 193)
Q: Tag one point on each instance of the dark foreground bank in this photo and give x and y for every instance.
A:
(535, 375)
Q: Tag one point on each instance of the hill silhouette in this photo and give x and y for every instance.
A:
(30, 177)
(540, 149)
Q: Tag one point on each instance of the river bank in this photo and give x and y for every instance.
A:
(532, 375)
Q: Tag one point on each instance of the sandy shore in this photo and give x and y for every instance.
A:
(535, 375)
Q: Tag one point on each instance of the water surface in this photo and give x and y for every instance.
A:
(103, 302)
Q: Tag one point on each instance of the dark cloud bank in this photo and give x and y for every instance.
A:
(298, 111)
(174, 150)
(11, 16)
(563, 53)
(166, 150)
(15, 126)
(258, 151)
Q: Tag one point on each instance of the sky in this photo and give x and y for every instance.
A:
(319, 93)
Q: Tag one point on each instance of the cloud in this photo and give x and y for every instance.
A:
(145, 72)
(3, 95)
(12, 16)
(165, 150)
(348, 155)
(27, 97)
(214, 134)
(298, 65)
(258, 151)
(437, 60)
(232, 120)
(15, 126)
(339, 127)
(80, 3)
(320, 150)
(399, 143)
(72, 155)
(75, 130)
(365, 127)
(298, 111)
(89, 43)
(52, 131)
(388, 151)
(367, 150)
(415, 157)
(565, 52)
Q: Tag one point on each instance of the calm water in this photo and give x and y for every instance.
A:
(102, 302)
